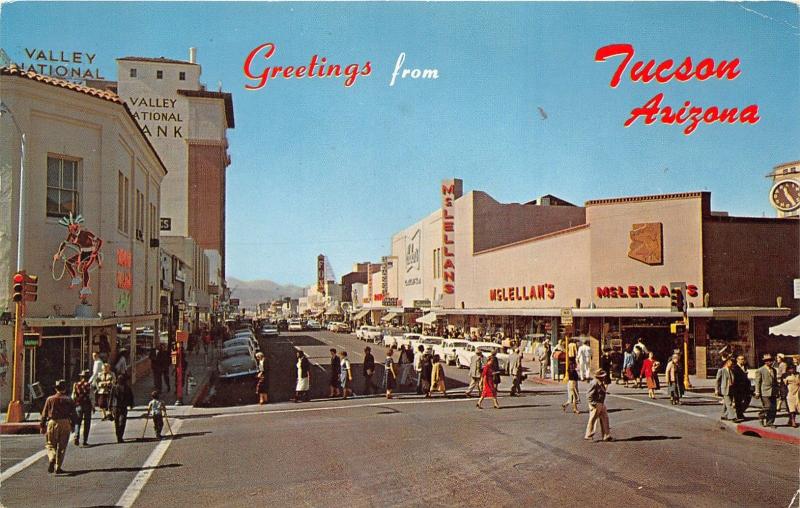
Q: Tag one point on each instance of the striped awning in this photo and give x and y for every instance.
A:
(360, 315)
(388, 317)
(427, 319)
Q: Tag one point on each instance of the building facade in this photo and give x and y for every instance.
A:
(90, 230)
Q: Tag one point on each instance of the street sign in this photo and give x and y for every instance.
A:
(31, 339)
(182, 336)
(566, 316)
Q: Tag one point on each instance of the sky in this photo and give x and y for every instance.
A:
(520, 107)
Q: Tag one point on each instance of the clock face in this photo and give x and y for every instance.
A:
(785, 195)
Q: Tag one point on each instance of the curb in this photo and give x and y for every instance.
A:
(202, 390)
(19, 428)
(766, 433)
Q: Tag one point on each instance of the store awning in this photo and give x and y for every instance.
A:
(663, 312)
(790, 328)
(388, 317)
(98, 321)
(360, 315)
(427, 319)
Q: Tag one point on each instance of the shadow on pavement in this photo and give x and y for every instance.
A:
(118, 469)
(522, 406)
(167, 436)
(618, 409)
(647, 438)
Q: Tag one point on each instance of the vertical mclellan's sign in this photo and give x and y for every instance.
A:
(451, 190)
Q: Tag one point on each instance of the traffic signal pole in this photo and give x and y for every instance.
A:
(16, 413)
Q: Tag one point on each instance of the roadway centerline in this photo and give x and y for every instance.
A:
(140, 480)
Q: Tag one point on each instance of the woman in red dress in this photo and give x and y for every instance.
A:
(650, 373)
(487, 384)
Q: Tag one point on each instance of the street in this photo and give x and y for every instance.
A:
(409, 451)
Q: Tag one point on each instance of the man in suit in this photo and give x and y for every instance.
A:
(725, 389)
(515, 371)
(475, 368)
(741, 387)
(767, 391)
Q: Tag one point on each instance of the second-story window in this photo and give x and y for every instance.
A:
(159, 74)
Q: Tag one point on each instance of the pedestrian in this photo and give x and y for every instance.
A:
(780, 367)
(543, 357)
(206, 344)
(303, 386)
(427, 372)
(596, 396)
(164, 359)
(82, 396)
(573, 397)
(584, 360)
(155, 368)
(437, 377)
(572, 349)
(555, 358)
(404, 367)
(606, 364)
(627, 365)
(496, 369)
(674, 375)
(56, 423)
(640, 344)
(369, 371)
(97, 368)
(488, 388)
(515, 371)
(741, 388)
(725, 388)
(336, 366)
(418, 367)
(120, 400)
(638, 361)
(767, 388)
(616, 365)
(475, 369)
(157, 411)
(650, 374)
(389, 373)
(105, 382)
(262, 379)
(345, 375)
(122, 363)
(792, 383)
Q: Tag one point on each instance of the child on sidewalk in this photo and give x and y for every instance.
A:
(157, 410)
(572, 389)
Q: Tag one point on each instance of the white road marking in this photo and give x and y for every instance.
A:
(19, 466)
(662, 406)
(140, 480)
(332, 408)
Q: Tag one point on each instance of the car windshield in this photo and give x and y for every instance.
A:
(458, 344)
(432, 341)
(235, 351)
(487, 349)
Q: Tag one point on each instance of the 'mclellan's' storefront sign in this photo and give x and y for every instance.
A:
(545, 291)
(636, 291)
(448, 242)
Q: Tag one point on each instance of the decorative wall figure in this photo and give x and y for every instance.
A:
(79, 254)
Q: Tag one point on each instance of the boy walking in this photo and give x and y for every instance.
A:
(157, 410)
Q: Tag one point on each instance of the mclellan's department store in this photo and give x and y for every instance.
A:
(484, 266)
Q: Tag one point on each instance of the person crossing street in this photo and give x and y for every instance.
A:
(597, 407)
(56, 423)
(120, 400)
(82, 396)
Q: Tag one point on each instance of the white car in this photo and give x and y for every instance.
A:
(313, 324)
(295, 325)
(428, 342)
(241, 341)
(449, 349)
(392, 336)
(270, 331)
(409, 340)
(360, 331)
(237, 361)
(372, 334)
(466, 354)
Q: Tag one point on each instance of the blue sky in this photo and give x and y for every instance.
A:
(320, 168)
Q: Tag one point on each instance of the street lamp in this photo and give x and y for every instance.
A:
(15, 413)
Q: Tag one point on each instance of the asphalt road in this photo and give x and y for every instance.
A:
(410, 451)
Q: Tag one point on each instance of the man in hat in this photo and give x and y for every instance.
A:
(82, 396)
(767, 390)
(543, 357)
(56, 424)
(120, 401)
(597, 407)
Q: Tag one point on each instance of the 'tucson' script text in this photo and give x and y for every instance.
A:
(663, 72)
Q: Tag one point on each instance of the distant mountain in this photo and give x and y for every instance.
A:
(252, 292)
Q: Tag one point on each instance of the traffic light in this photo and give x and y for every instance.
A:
(677, 328)
(25, 287)
(677, 302)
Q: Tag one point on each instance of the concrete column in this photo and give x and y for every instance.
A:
(700, 347)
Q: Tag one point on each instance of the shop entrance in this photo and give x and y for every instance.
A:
(656, 336)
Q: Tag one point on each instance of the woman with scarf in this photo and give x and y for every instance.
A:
(488, 388)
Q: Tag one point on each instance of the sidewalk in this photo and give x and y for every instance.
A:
(198, 380)
(702, 389)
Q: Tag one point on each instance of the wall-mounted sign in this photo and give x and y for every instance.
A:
(647, 245)
(157, 116)
(421, 304)
(78, 254)
(390, 301)
(166, 223)
(386, 264)
(369, 280)
(64, 64)
(234, 302)
(321, 274)
(635, 291)
(545, 291)
(450, 191)
(566, 316)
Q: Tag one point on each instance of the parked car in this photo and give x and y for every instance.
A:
(360, 331)
(237, 361)
(429, 342)
(391, 336)
(449, 349)
(313, 324)
(295, 325)
(341, 328)
(283, 325)
(269, 331)
(409, 340)
(241, 341)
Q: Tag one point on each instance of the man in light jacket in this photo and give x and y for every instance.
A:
(515, 371)
(767, 390)
(584, 360)
(725, 389)
(596, 396)
(475, 368)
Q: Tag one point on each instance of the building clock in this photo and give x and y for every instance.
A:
(785, 195)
